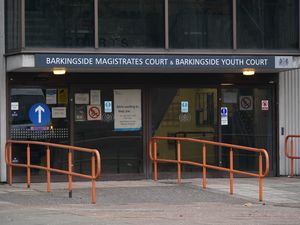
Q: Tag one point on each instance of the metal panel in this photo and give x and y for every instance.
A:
(2, 94)
(289, 116)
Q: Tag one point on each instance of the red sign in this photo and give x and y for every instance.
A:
(265, 105)
(94, 113)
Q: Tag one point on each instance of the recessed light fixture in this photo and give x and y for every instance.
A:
(226, 84)
(59, 71)
(248, 71)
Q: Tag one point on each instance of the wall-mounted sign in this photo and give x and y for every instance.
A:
(161, 61)
(107, 106)
(51, 96)
(39, 114)
(246, 103)
(14, 106)
(264, 105)
(94, 112)
(184, 106)
(224, 116)
(127, 110)
(59, 112)
(82, 98)
(62, 96)
(95, 97)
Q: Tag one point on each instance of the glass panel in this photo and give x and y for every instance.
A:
(59, 23)
(12, 25)
(121, 149)
(267, 24)
(21, 127)
(200, 24)
(131, 23)
(197, 120)
(249, 124)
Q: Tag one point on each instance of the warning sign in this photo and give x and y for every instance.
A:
(246, 103)
(265, 105)
(94, 112)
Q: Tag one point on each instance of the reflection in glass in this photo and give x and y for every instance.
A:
(12, 25)
(59, 23)
(200, 24)
(267, 24)
(131, 23)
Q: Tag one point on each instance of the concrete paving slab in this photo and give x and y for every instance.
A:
(149, 202)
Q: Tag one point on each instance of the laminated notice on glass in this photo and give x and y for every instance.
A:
(62, 96)
(80, 112)
(94, 112)
(95, 97)
(128, 111)
(51, 96)
(82, 98)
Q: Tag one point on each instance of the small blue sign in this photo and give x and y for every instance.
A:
(184, 106)
(39, 114)
(107, 106)
(224, 112)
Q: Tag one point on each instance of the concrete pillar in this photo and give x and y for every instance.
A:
(2, 94)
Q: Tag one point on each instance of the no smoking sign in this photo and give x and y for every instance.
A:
(94, 112)
(246, 103)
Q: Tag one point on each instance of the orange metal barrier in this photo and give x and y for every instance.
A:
(204, 165)
(290, 154)
(95, 164)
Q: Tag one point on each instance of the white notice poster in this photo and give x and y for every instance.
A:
(95, 97)
(128, 111)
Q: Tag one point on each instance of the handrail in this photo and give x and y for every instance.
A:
(204, 165)
(95, 163)
(291, 155)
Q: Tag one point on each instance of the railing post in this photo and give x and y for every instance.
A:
(260, 178)
(178, 162)
(70, 172)
(292, 158)
(204, 166)
(48, 169)
(10, 166)
(155, 160)
(93, 180)
(231, 171)
(28, 166)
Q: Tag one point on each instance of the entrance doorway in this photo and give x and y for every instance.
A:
(196, 113)
(110, 120)
(185, 112)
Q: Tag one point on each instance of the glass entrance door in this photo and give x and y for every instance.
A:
(250, 123)
(185, 112)
(109, 120)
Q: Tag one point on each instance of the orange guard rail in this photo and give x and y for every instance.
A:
(95, 164)
(290, 154)
(204, 165)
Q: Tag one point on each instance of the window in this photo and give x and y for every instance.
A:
(202, 24)
(267, 24)
(59, 23)
(131, 23)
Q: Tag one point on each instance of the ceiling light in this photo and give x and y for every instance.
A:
(59, 71)
(248, 72)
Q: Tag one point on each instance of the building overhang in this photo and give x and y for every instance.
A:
(150, 63)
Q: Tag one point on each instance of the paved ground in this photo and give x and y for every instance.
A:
(149, 202)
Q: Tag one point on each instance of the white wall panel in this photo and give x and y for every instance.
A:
(289, 116)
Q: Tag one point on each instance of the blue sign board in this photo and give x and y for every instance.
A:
(224, 111)
(39, 114)
(107, 106)
(155, 61)
(184, 106)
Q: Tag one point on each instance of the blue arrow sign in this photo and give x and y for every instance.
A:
(39, 114)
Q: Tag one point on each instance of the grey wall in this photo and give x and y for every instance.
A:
(289, 116)
(2, 94)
